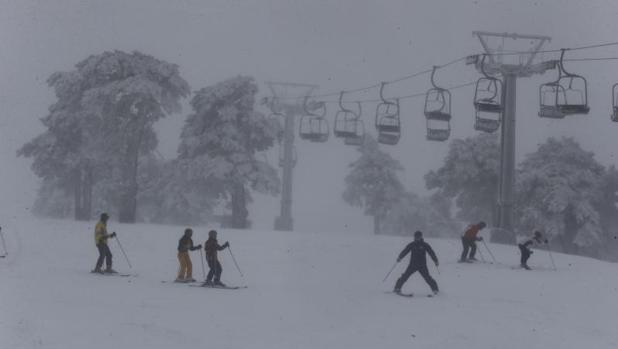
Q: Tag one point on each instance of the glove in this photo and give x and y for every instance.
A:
(437, 264)
(546, 241)
(480, 238)
(198, 246)
(226, 244)
(398, 260)
(113, 235)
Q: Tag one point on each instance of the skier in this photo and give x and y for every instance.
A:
(468, 240)
(185, 244)
(211, 246)
(418, 262)
(524, 247)
(100, 240)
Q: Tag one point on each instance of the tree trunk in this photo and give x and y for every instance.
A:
(128, 205)
(82, 180)
(239, 207)
(570, 232)
(77, 194)
(376, 224)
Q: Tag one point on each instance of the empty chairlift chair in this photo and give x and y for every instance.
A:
(388, 123)
(438, 112)
(566, 96)
(615, 103)
(488, 103)
(348, 124)
(313, 125)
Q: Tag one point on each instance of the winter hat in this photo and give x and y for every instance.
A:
(537, 234)
(104, 216)
(418, 234)
(212, 234)
(482, 224)
(188, 231)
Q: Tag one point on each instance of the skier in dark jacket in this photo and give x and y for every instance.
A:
(418, 262)
(536, 240)
(468, 241)
(185, 244)
(211, 246)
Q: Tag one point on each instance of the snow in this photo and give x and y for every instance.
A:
(309, 290)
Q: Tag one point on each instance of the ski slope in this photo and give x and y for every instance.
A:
(319, 290)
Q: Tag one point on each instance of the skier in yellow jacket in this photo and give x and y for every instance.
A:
(100, 240)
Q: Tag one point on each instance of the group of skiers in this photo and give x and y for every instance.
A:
(185, 244)
(418, 250)
(211, 246)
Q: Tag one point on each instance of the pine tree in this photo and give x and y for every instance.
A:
(469, 176)
(220, 142)
(102, 124)
(559, 188)
(372, 183)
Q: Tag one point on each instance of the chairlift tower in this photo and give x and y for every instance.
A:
(289, 101)
(510, 64)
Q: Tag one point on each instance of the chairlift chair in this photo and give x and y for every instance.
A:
(438, 130)
(488, 102)
(570, 94)
(549, 93)
(437, 111)
(488, 92)
(387, 122)
(348, 124)
(438, 104)
(615, 103)
(313, 126)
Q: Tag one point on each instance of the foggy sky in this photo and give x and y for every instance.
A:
(335, 44)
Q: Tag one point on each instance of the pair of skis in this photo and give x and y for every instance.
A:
(111, 274)
(410, 295)
(205, 285)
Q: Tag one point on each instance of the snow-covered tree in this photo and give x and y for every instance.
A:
(469, 175)
(372, 183)
(102, 123)
(559, 189)
(170, 193)
(412, 212)
(220, 142)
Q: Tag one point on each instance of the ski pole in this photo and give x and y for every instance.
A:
(229, 248)
(481, 254)
(202, 259)
(488, 250)
(390, 271)
(6, 253)
(122, 249)
(551, 257)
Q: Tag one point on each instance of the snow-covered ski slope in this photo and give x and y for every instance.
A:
(317, 290)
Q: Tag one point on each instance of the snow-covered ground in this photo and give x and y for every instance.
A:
(309, 290)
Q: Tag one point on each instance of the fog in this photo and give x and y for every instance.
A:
(337, 45)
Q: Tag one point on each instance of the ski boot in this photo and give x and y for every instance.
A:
(109, 270)
(219, 284)
(397, 290)
(525, 266)
(97, 271)
(207, 283)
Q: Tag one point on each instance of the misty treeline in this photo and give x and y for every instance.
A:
(98, 150)
(560, 189)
